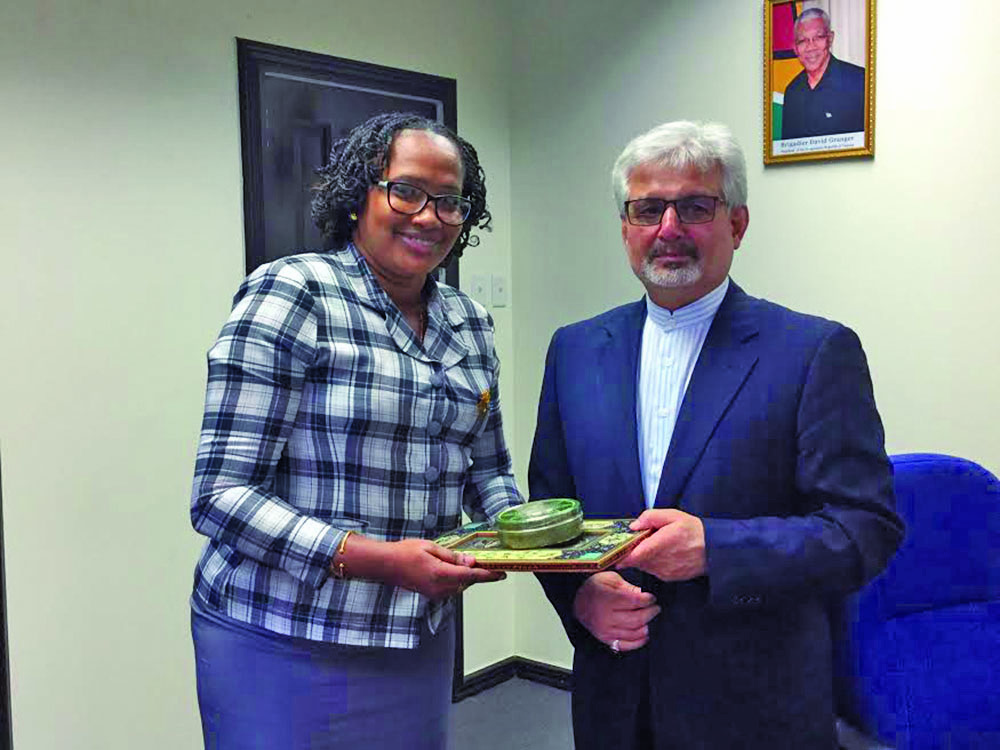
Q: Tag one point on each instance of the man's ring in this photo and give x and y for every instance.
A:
(616, 646)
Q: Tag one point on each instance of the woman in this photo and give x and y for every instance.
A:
(351, 409)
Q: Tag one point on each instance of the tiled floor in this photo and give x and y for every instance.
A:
(514, 715)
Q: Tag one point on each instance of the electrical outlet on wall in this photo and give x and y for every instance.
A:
(477, 286)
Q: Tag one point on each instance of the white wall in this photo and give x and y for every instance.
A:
(905, 248)
(121, 240)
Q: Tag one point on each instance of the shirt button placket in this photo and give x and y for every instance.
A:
(435, 455)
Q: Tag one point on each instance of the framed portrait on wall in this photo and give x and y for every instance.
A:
(294, 105)
(819, 79)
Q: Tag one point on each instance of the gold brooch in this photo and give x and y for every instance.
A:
(484, 402)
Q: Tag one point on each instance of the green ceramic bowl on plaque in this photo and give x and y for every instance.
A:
(540, 523)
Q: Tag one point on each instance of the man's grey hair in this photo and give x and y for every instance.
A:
(681, 145)
(808, 13)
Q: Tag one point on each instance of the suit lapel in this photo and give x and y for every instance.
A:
(619, 360)
(726, 360)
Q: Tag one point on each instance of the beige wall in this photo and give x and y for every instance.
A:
(904, 248)
(121, 239)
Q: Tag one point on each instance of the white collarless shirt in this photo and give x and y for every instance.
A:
(671, 343)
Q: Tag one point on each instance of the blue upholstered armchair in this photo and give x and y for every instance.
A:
(920, 652)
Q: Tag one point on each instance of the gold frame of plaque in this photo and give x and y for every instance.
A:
(601, 544)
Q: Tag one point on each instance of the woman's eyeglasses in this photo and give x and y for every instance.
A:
(408, 199)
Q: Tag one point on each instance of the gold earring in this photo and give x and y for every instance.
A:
(354, 216)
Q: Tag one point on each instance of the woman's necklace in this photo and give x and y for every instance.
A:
(416, 316)
(424, 320)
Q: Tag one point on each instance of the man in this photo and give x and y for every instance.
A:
(828, 96)
(773, 500)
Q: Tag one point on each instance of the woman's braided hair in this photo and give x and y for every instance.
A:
(359, 161)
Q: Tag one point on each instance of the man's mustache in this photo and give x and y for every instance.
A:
(680, 247)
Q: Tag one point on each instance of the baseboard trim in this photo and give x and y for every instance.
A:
(546, 674)
(514, 666)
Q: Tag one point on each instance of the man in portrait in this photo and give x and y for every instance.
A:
(828, 96)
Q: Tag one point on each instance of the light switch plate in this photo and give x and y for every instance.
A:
(500, 295)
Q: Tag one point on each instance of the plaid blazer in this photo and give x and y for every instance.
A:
(323, 414)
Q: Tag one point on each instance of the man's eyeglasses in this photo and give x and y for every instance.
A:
(408, 199)
(804, 41)
(694, 209)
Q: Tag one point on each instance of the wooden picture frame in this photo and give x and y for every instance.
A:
(819, 83)
(293, 106)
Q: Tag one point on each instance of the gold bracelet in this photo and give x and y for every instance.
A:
(339, 569)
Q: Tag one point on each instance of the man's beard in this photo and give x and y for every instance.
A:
(671, 277)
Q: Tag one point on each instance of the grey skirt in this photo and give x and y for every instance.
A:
(262, 690)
